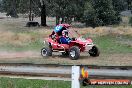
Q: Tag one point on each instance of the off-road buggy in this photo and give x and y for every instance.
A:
(73, 49)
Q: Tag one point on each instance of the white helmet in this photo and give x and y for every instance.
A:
(65, 33)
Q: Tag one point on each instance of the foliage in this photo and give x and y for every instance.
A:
(20, 6)
(67, 9)
(130, 21)
(89, 15)
(100, 13)
(10, 7)
(129, 4)
(119, 5)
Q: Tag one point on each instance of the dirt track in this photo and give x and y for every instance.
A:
(11, 55)
(35, 57)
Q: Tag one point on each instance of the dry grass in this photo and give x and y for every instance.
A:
(107, 30)
(22, 38)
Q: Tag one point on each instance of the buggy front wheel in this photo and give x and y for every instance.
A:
(94, 51)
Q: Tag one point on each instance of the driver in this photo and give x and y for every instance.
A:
(64, 39)
(56, 33)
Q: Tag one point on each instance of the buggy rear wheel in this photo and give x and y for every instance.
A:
(74, 53)
(46, 52)
(94, 51)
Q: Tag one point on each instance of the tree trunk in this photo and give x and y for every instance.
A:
(62, 21)
(129, 3)
(43, 15)
(57, 20)
(13, 12)
(30, 9)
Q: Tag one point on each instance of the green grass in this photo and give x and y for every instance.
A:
(24, 83)
(31, 46)
(111, 44)
(35, 44)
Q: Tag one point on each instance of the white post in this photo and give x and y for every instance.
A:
(75, 76)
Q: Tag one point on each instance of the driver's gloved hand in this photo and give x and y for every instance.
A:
(68, 40)
(73, 39)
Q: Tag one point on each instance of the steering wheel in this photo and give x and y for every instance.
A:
(73, 39)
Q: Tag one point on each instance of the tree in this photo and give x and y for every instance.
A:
(79, 9)
(12, 7)
(100, 13)
(119, 5)
(62, 10)
(43, 13)
(130, 21)
(129, 3)
(65, 10)
(89, 15)
(0, 6)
